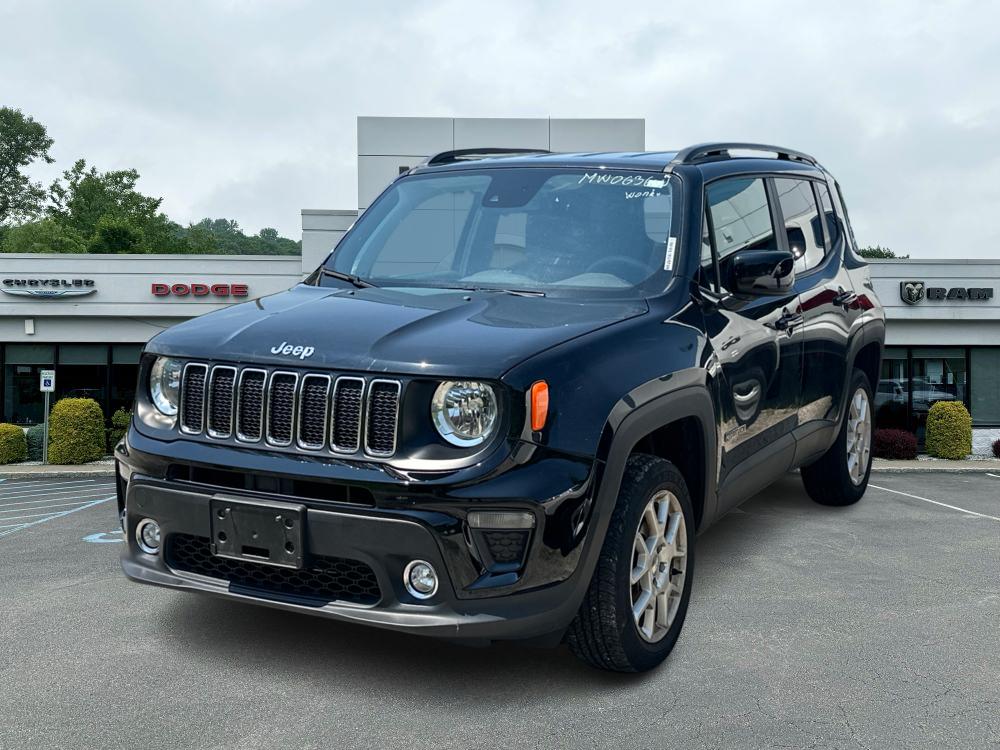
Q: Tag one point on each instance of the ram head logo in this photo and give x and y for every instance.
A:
(911, 291)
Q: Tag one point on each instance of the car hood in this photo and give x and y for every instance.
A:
(411, 331)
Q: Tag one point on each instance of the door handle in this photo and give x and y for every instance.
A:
(788, 321)
(844, 298)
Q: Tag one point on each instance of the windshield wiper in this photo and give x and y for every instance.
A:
(350, 278)
(516, 292)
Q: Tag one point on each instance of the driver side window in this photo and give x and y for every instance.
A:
(738, 214)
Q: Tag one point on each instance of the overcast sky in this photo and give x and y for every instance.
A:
(247, 110)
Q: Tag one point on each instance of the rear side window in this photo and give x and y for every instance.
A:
(842, 208)
(832, 224)
(802, 222)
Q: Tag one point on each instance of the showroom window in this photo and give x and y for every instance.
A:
(103, 372)
(892, 397)
(124, 374)
(936, 374)
(913, 379)
(22, 402)
(985, 387)
(81, 371)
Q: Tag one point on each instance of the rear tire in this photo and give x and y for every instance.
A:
(646, 567)
(840, 477)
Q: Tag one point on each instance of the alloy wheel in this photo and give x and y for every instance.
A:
(859, 436)
(659, 563)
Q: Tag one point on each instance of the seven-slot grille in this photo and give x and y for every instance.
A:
(313, 411)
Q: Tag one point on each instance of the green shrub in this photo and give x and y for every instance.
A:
(119, 426)
(13, 446)
(949, 430)
(76, 431)
(36, 436)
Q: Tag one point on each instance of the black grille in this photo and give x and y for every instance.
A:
(346, 433)
(326, 579)
(506, 546)
(281, 408)
(193, 398)
(220, 401)
(312, 411)
(251, 404)
(383, 400)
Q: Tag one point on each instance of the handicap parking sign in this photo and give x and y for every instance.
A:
(48, 381)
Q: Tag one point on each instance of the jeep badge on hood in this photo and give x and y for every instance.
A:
(294, 351)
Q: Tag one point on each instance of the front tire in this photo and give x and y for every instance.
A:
(840, 476)
(634, 609)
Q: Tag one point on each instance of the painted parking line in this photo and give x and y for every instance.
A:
(46, 507)
(44, 483)
(936, 502)
(53, 516)
(995, 476)
(35, 493)
(84, 493)
(46, 495)
(48, 483)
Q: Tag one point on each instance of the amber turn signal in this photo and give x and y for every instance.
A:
(539, 404)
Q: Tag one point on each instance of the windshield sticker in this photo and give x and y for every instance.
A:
(668, 262)
(625, 180)
(632, 194)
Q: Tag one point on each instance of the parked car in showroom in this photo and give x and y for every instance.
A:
(511, 398)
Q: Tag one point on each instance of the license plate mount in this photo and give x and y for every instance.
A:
(262, 532)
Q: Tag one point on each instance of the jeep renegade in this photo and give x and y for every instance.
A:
(512, 396)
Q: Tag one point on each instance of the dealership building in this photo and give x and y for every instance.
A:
(88, 316)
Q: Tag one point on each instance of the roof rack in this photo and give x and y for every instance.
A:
(471, 154)
(702, 151)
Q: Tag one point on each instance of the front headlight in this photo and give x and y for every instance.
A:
(165, 384)
(464, 412)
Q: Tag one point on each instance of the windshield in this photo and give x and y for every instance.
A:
(525, 229)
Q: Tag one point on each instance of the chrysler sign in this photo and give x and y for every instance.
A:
(45, 288)
(912, 292)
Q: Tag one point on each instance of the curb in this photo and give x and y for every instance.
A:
(60, 473)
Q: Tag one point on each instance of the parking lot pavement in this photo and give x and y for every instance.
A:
(873, 626)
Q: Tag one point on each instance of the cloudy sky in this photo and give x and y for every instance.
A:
(247, 110)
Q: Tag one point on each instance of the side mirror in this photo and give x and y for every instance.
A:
(761, 272)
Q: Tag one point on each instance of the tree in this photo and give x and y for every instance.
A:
(114, 235)
(161, 235)
(23, 141)
(45, 236)
(84, 196)
(878, 252)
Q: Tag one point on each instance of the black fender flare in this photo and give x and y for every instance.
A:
(629, 423)
(639, 421)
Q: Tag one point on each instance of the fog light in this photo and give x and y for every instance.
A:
(420, 579)
(147, 534)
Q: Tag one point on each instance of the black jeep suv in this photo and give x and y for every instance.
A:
(509, 400)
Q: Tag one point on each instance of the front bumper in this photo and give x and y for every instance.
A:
(407, 520)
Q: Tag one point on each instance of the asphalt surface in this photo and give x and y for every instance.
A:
(872, 626)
